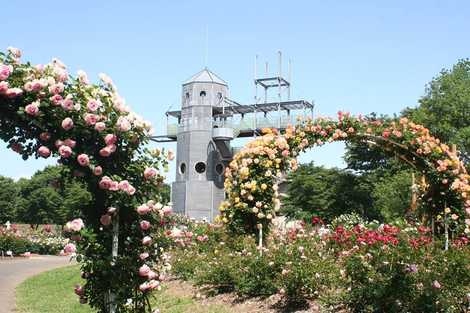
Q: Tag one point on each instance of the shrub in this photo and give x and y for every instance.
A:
(393, 271)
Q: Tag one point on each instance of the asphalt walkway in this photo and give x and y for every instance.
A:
(14, 271)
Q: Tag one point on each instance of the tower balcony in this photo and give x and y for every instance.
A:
(222, 133)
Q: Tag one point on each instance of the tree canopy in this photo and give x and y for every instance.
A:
(445, 107)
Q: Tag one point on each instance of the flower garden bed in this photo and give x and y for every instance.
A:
(22, 240)
(356, 268)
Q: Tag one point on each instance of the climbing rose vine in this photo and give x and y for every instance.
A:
(251, 180)
(45, 112)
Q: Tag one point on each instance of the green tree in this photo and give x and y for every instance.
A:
(50, 196)
(8, 199)
(445, 107)
(392, 194)
(327, 193)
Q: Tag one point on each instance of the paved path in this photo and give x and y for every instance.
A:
(13, 272)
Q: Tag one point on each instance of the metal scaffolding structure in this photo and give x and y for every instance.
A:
(245, 118)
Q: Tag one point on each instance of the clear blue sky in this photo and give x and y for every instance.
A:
(359, 56)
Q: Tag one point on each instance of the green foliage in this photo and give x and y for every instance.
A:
(294, 268)
(445, 108)
(405, 279)
(8, 197)
(327, 193)
(392, 195)
(50, 196)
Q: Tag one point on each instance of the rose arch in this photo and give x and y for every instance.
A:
(251, 179)
(45, 112)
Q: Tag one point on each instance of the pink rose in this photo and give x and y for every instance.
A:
(145, 225)
(32, 109)
(143, 256)
(166, 209)
(114, 186)
(93, 105)
(147, 241)
(83, 159)
(74, 225)
(44, 151)
(70, 248)
(110, 139)
(105, 219)
(56, 99)
(436, 284)
(67, 104)
(98, 170)
(45, 136)
(124, 185)
(105, 182)
(58, 143)
(70, 143)
(112, 148)
(100, 126)
(153, 284)
(131, 190)
(150, 172)
(144, 270)
(143, 209)
(65, 151)
(5, 71)
(56, 88)
(79, 291)
(143, 287)
(13, 92)
(91, 119)
(67, 123)
(105, 152)
(3, 87)
(151, 274)
(123, 124)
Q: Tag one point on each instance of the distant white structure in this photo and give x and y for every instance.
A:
(206, 124)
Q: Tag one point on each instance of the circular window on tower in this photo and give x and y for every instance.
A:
(200, 167)
(182, 168)
(202, 93)
(219, 168)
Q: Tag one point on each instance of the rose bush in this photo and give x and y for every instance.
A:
(252, 178)
(45, 112)
(374, 268)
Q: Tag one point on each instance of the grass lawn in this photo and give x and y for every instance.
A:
(52, 292)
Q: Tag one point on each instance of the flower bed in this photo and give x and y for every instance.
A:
(24, 240)
(382, 268)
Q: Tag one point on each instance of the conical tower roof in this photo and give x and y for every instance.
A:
(205, 76)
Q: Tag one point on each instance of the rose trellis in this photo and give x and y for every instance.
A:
(252, 177)
(46, 112)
